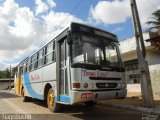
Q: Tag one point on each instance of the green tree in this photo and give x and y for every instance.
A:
(2, 74)
(155, 20)
(5, 73)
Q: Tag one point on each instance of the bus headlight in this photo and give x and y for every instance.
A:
(119, 85)
(123, 85)
(85, 85)
(92, 85)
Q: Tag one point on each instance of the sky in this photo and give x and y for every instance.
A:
(26, 25)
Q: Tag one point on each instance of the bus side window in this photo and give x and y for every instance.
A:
(40, 58)
(49, 55)
(32, 64)
(53, 54)
(49, 58)
(35, 61)
(25, 66)
(45, 52)
(28, 64)
(53, 45)
(50, 48)
(21, 70)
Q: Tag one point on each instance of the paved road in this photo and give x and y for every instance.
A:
(12, 104)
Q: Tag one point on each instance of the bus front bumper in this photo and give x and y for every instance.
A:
(82, 96)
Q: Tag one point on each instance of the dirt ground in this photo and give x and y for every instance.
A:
(134, 99)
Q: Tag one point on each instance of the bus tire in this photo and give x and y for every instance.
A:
(52, 105)
(90, 103)
(25, 98)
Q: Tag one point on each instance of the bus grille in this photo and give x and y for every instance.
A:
(106, 85)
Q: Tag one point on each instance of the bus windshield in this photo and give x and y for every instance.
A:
(93, 50)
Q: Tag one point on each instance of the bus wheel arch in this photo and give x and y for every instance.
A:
(22, 91)
(46, 89)
(49, 97)
(25, 98)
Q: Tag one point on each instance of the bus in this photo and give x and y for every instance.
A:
(82, 64)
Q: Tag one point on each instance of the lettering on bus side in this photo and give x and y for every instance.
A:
(35, 77)
(88, 73)
(102, 74)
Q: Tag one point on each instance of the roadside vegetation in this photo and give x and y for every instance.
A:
(154, 20)
(6, 73)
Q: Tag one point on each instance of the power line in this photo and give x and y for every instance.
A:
(152, 5)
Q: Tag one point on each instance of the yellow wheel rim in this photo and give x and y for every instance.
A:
(51, 99)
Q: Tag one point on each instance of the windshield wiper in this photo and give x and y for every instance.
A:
(105, 62)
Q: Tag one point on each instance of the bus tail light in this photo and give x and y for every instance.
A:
(76, 85)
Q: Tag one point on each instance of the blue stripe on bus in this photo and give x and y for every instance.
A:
(65, 99)
(30, 89)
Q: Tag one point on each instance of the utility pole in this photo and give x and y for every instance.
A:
(146, 87)
(10, 79)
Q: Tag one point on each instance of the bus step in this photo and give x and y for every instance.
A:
(63, 103)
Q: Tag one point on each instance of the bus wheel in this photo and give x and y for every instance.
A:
(25, 98)
(52, 105)
(90, 103)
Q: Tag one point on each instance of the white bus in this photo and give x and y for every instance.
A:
(81, 64)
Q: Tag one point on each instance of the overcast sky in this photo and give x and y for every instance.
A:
(25, 25)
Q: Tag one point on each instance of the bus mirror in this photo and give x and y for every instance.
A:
(69, 38)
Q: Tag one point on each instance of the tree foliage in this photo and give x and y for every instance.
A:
(155, 22)
(5, 73)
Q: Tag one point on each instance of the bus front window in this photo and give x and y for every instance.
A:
(91, 50)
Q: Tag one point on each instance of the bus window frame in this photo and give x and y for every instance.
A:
(119, 57)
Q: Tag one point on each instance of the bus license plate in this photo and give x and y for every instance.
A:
(87, 95)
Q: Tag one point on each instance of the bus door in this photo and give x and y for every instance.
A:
(61, 72)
